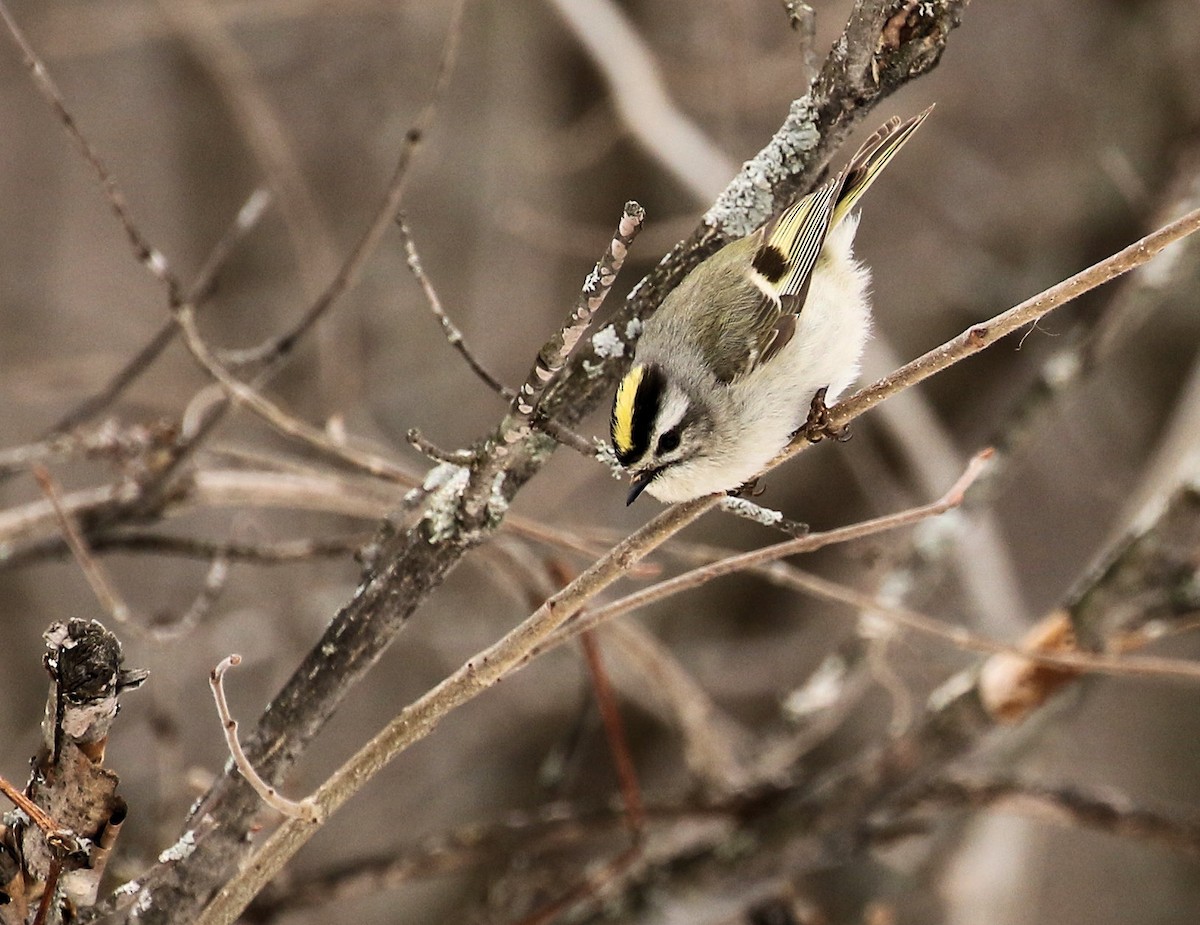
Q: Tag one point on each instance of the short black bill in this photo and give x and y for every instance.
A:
(639, 485)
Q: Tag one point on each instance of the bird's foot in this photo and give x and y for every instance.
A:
(751, 489)
(818, 426)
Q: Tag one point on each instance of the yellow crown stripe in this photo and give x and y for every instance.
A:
(622, 416)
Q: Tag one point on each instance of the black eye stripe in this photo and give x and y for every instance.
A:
(645, 407)
(668, 442)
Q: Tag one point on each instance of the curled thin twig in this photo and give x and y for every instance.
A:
(306, 810)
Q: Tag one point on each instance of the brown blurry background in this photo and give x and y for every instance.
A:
(1063, 130)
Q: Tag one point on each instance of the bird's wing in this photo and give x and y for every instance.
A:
(780, 271)
(783, 254)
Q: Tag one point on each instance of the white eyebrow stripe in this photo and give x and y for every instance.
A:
(672, 411)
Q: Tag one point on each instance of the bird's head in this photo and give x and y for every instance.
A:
(658, 430)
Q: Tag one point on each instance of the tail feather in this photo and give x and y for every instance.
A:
(791, 243)
(875, 154)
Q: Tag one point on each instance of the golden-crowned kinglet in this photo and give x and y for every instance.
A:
(728, 367)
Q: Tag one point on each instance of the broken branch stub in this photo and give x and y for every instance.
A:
(85, 664)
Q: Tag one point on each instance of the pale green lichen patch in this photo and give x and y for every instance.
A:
(608, 456)
(445, 484)
(607, 343)
(751, 511)
(497, 505)
(180, 850)
(748, 201)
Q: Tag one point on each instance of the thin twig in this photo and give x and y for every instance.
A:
(213, 587)
(640, 96)
(244, 222)
(322, 492)
(588, 887)
(197, 293)
(92, 570)
(1068, 805)
(281, 552)
(102, 400)
(618, 741)
(553, 355)
(909, 619)
(961, 638)
(303, 489)
(285, 423)
(769, 554)
(882, 672)
(203, 31)
(552, 824)
(981, 558)
(36, 814)
(53, 447)
(764, 516)
(1114, 328)
(305, 810)
(547, 233)
(713, 742)
(514, 439)
(49, 889)
(147, 255)
(279, 347)
(431, 450)
(1129, 666)
(568, 437)
(454, 337)
(979, 336)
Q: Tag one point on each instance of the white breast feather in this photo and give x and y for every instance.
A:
(772, 403)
